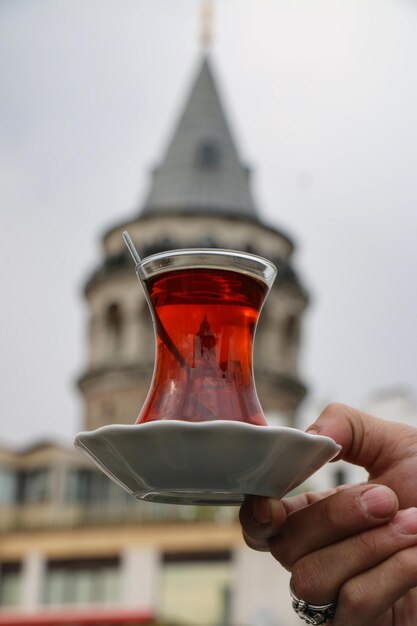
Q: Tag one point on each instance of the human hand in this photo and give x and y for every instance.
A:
(352, 543)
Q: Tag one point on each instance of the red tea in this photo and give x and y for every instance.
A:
(205, 321)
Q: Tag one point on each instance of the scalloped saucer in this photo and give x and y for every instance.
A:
(216, 462)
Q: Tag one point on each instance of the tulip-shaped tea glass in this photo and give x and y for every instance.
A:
(205, 306)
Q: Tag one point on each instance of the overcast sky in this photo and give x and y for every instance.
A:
(322, 96)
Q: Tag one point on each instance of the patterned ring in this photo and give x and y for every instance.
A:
(312, 613)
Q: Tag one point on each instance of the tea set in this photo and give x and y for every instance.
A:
(201, 436)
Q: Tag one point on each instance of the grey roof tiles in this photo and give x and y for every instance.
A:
(201, 170)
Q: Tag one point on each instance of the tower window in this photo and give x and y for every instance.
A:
(208, 154)
(114, 318)
(292, 329)
(114, 324)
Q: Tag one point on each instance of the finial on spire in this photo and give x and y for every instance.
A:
(207, 13)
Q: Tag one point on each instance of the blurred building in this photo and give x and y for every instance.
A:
(74, 548)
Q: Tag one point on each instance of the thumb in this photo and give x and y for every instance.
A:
(368, 441)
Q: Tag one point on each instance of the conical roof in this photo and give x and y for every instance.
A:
(201, 170)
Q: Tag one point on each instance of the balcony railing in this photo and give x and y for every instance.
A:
(49, 516)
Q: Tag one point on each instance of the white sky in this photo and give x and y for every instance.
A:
(323, 99)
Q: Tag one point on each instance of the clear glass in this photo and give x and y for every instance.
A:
(205, 306)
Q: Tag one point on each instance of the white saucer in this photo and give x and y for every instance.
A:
(215, 462)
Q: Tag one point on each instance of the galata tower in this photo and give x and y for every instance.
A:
(199, 196)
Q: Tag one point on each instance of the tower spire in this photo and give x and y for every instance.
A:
(206, 23)
(201, 170)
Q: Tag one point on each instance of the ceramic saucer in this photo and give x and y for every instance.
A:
(214, 462)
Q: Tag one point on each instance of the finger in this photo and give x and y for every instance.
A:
(387, 450)
(293, 503)
(366, 440)
(365, 599)
(318, 576)
(261, 518)
(341, 515)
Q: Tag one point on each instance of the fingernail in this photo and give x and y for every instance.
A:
(312, 429)
(406, 521)
(378, 502)
(262, 510)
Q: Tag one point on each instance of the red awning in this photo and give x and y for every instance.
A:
(94, 617)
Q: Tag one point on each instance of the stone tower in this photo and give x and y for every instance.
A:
(199, 196)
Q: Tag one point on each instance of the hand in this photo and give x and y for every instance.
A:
(352, 544)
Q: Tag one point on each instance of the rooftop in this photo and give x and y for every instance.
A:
(201, 170)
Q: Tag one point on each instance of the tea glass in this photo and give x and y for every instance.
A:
(205, 305)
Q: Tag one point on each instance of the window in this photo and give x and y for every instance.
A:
(196, 589)
(10, 584)
(292, 329)
(114, 318)
(339, 477)
(82, 581)
(33, 486)
(87, 486)
(208, 154)
(114, 324)
(8, 485)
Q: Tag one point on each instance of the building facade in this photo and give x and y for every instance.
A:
(74, 548)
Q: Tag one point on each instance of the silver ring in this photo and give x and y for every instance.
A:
(312, 613)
